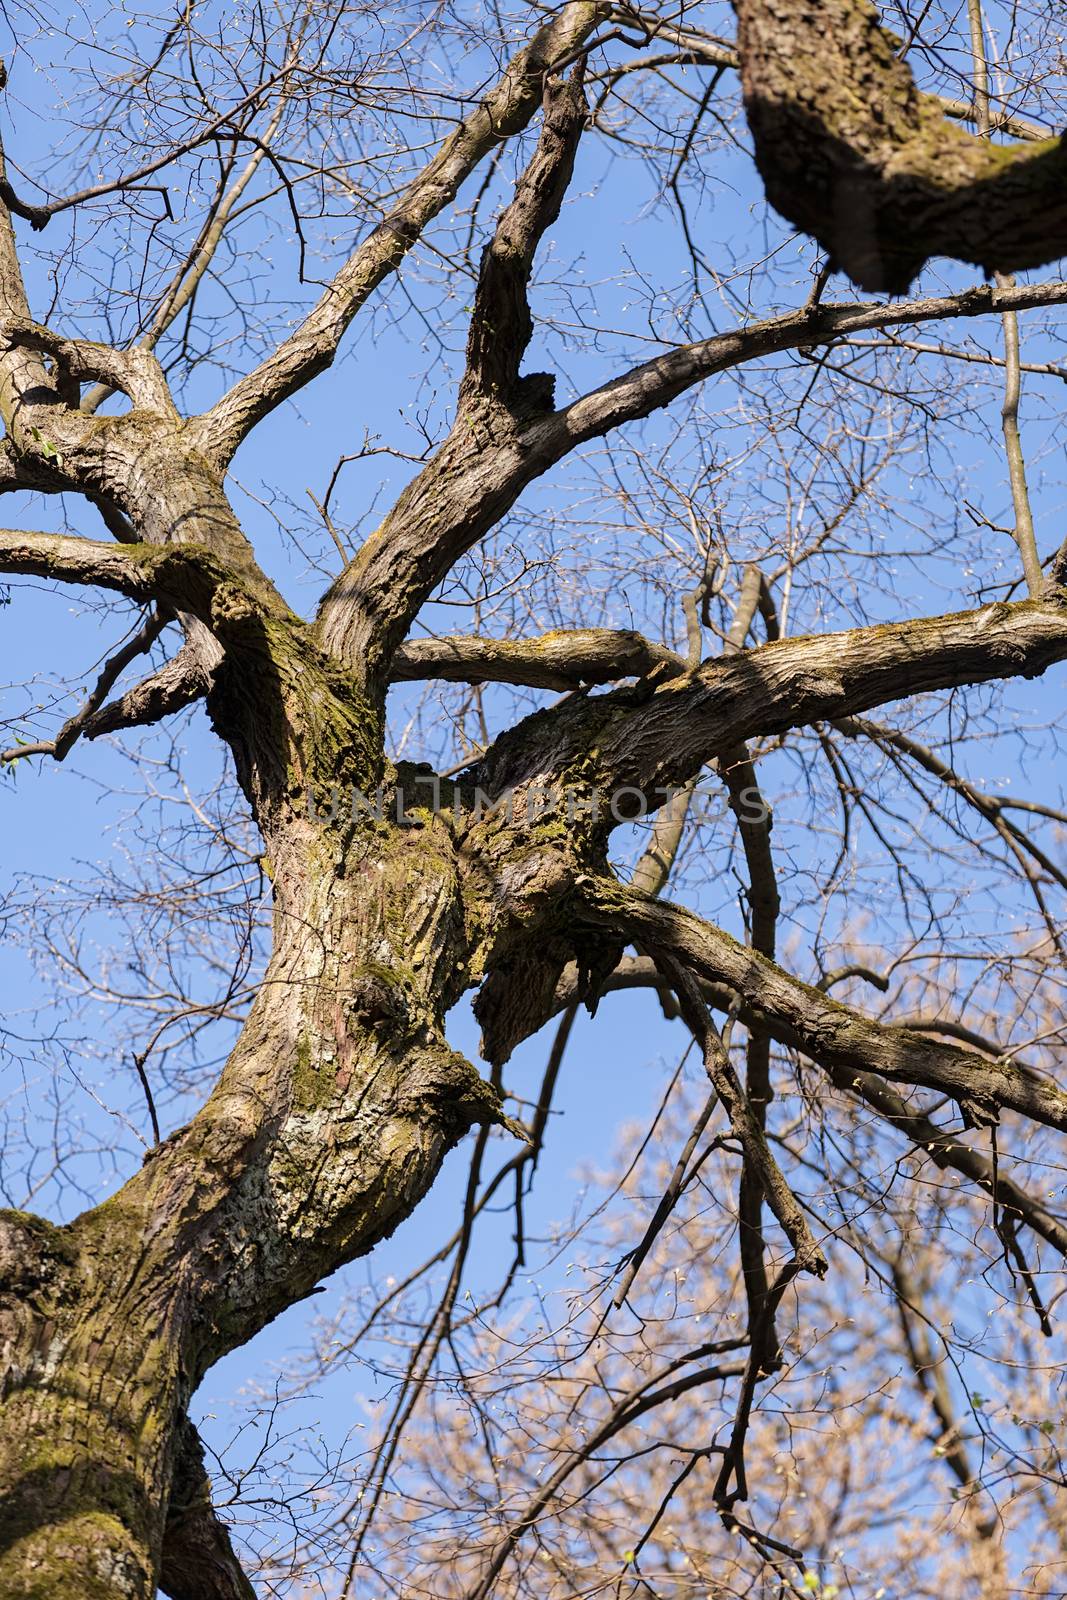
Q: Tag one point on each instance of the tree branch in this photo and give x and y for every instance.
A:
(696, 44)
(833, 1035)
(38, 216)
(948, 1153)
(501, 325)
(189, 579)
(851, 153)
(747, 1127)
(135, 372)
(654, 868)
(629, 1408)
(807, 1256)
(187, 677)
(79, 724)
(478, 474)
(176, 685)
(754, 827)
(657, 737)
(657, 382)
(992, 807)
(126, 568)
(1032, 860)
(928, 1140)
(561, 660)
(792, 683)
(311, 348)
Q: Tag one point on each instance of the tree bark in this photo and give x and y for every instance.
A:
(853, 154)
(330, 1120)
(342, 1096)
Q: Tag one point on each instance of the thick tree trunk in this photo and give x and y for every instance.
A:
(330, 1120)
(342, 1096)
(83, 1437)
(329, 1123)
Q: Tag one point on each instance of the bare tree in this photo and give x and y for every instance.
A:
(418, 133)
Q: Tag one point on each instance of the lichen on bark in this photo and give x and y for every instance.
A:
(852, 153)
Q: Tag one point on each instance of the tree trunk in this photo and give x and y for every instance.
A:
(329, 1123)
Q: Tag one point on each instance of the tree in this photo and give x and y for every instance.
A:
(397, 888)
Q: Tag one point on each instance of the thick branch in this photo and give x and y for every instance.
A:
(176, 685)
(1020, 495)
(791, 683)
(656, 738)
(833, 1035)
(186, 578)
(20, 371)
(135, 373)
(480, 471)
(851, 153)
(501, 325)
(565, 659)
(697, 44)
(311, 348)
(1023, 531)
(127, 568)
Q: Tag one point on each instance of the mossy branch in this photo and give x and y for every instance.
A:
(851, 152)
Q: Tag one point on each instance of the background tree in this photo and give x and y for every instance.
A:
(776, 591)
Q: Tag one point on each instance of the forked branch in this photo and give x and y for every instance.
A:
(479, 473)
(658, 736)
(81, 723)
(311, 348)
(835, 1036)
(929, 1141)
(747, 1127)
(135, 373)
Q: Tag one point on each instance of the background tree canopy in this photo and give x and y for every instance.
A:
(534, 606)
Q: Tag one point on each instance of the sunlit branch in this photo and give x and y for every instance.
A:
(833, 1035)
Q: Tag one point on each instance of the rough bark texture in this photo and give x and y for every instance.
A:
(851, 153)
(330, 1121)
(564, 660)
(198, 1560)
